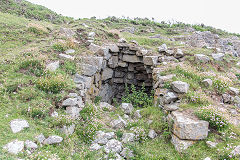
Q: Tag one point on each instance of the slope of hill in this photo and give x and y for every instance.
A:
(54, 77)
(32, 11)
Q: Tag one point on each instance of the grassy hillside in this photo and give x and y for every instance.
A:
(29, 40)
(31, 11)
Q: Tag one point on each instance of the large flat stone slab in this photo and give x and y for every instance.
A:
(131, 58)
(185, 127)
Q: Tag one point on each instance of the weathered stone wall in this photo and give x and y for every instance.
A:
(116, 65)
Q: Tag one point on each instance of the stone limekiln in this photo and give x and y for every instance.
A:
(115, 66)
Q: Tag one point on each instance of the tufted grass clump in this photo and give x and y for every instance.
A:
(87, 127)
(220, 86)
(196, 98)
(69, 67)
(52, 84)
(216, 121)
(59, 47)
(138, 98)
(63, 120)
(32, 66)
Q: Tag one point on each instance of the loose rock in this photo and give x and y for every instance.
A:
(53, 140)
(127, 108)
(180, 87)
(14, 147)
(18, 125)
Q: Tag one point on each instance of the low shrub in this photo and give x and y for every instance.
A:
(52, 84)
(87, 126)
(62, 120)
(97, 100)
(216, 121)
(36, 109)
(27, 94)
(196, 98)
(138, 98)
(10, 88)
(159, 124)
(32, 66)
(59, 47)
(220, 86)
(69, 67)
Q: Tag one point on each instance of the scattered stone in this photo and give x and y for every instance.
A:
(188, 128)
(53, 66)
(14, 147)
(236, 151)
(53, 140)
(218, 56)
(30, 145)
(201, 58)
(162, 79)
(181, 145)
(54, 114)
(73, 112)
(128, 137)
(227, 98)
(207, 82)
(169, 97)
(234, 91)
(113, 146)
(211, 144)
(91, 35)
(127, 108)
(171, 107)
(118, 123)
(68, 130)
(70, 102)
(127, 153)
(122, 40)
(180, 87)
(137, 114)
(162, 48)
(70, 51)
(95, 147)
(67, 32)
(102, 137)
(18, 125)
(179, 54)
(103, 105)
(40, 138)
(152, 134)
(150, 60)
(65, 56)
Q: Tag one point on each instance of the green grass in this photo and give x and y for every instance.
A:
(31, 11)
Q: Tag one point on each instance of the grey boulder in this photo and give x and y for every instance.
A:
(180, 87)
(18, 125)
(14, 147)
(53, 140)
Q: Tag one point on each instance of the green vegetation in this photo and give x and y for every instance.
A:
(32, 66)
(52, 84)
(138, 98)
(31, 11)
(87, 126)
(216, 121)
